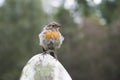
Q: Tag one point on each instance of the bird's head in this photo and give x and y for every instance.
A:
(53, 26)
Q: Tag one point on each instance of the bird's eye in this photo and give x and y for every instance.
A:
(53, 25)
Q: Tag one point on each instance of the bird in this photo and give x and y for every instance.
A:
(51, 38)
(46, 67)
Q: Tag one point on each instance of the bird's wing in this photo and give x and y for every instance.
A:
(44, 67)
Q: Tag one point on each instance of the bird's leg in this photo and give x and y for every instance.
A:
(52, 53)
(44, 51)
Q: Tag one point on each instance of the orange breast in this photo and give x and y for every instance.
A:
(48, 35)
(55, 35)
(52, 34)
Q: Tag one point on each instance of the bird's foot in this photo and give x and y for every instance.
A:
(44, 51)
(52, 53)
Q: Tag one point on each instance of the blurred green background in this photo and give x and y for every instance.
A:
(91, 49)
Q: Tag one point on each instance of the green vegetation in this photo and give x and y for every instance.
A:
(90, 50)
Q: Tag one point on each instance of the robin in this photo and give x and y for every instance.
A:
(51, 38)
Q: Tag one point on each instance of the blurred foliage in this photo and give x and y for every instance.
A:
(20, 22)
(90, 50)
(84, 8)
(110, 9)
